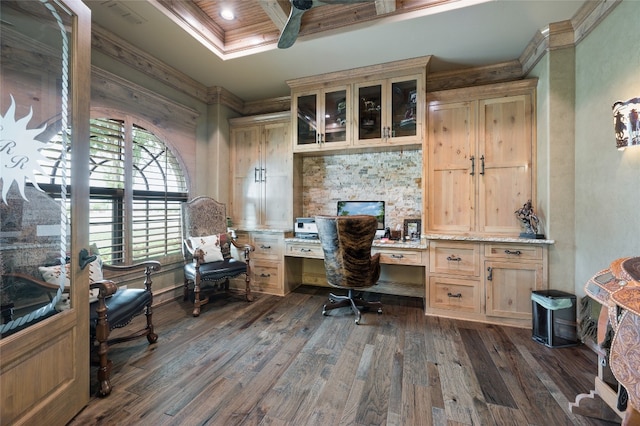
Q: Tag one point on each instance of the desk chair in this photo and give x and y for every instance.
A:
(346, 242)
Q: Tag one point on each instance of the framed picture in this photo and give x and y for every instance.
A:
(412, 229)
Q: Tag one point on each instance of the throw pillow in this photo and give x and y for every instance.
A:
(51, 274)
(210, 245)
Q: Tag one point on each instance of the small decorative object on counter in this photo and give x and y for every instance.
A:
(529, 221)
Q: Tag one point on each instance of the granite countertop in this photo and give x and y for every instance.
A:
(376, 243)
(488, 239)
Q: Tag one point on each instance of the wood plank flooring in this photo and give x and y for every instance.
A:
(279, 361)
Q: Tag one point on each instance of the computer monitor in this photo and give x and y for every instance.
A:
(373, 208)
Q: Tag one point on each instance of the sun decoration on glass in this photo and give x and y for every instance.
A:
(19, 151)
(626, 121)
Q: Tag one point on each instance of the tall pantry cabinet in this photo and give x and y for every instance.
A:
(480, 158)
(261, 164)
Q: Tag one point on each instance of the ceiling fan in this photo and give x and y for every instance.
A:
(290, 31)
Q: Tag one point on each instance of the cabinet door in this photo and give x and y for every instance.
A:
(276, 160)
(336, 121)
(405, 106)
(452, 167)
(369, 113)
(305, 125)
(322, 120)
(508, 287)
(504, 161)
(248, 172)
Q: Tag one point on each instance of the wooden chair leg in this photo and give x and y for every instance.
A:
(247, 281)
(196, 300)
(185, 295)
(102, 337)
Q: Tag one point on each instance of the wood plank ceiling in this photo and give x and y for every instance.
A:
(258, 23)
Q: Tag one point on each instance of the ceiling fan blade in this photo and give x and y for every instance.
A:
(290, 31)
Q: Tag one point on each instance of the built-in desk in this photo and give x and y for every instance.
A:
(404, 266)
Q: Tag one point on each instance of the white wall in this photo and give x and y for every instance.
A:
(607, 181)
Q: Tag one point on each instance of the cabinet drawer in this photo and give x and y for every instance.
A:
(455, 258)
(268, 246)
(513, 251)
(400, 257)
(266, 278)
(304, 250)
(455, 295)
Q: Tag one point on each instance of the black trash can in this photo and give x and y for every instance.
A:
(554, 318)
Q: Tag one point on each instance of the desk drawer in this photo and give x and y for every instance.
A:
(513, 251)
(268, 246)
(454, 295)
(455, 258)
(266, 278)
(304, 250)
(400, 257)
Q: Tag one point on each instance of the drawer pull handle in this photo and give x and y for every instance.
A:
(305, 250)
(457, 295)
(263, 275)
(265, 247)
(517, 252)
(397, 256)
(490, 271)
(454, 258)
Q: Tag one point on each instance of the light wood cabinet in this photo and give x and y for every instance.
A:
(511, 273)
(267, 262)
(323, 118)
(485, 280)
(371, 107)
(389, 111)
(480, 158)
(261, 170)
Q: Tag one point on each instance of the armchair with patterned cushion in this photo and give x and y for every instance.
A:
(111, 307)
(209, 263)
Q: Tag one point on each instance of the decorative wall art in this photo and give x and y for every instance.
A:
(626, 122)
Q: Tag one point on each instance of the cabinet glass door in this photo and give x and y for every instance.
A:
(404, 108)
(335, 116)
(307, 120)
(370, 112)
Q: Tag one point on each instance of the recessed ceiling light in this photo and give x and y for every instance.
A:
(227, 14)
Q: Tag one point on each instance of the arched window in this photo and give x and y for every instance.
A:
(136, 189)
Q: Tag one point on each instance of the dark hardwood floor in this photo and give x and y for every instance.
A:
(278, 361)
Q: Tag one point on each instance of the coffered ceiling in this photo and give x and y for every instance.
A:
(242, 55)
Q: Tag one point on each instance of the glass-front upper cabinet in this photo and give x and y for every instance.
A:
(390, 111)
(323, 119)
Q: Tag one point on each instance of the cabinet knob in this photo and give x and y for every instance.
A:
(515, 252)
(397, 256)
(490, 271)
(457, 295)
(473, 165)
(265, 247)
(454, 258)
(263, 275)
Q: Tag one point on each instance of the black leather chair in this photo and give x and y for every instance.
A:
(114, 308)
(204, 218)
(346, 242)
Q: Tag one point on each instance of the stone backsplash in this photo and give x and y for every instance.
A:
(393, 177)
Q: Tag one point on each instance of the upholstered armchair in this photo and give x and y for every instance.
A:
(209, 262)
(110, 307)
(346, 242)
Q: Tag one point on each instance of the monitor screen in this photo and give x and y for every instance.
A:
(373, 208)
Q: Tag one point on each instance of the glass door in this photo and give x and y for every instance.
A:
(44, 289)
